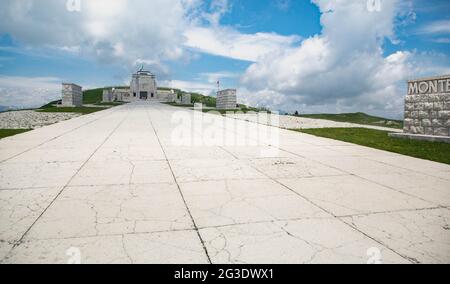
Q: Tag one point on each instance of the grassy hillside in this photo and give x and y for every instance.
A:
(93, 96)
(50, 104)
(359, 118)
(433, 151)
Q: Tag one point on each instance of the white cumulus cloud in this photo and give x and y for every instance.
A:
(344, 66)
(28, 91)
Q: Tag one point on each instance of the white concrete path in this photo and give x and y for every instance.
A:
(112, 187)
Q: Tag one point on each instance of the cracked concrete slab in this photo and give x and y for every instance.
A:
(350, 195)
(128, 153)
(257, 152)
(423, 236)
(36, 174)
(293, 167)
(218, 203)
(195, 152)
(158, 248)
(357, 165)
(123, 172)
(424, 186)
(111, 210)
(19, 209)
(298, 242)
(212, 169)
(416, 165)
(115, 187)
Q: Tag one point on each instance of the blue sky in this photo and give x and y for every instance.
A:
(311, 56)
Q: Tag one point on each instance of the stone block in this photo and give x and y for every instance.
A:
(419, 106)
(408, 122)
(423, 114)
(428, 130)
(444, 114)
(426, 122)
(441, 131)
(416, 130)
(417, 122)
(445, 97)
(409, 106)
(436, 122)
(428, 106)
(447, 105)
(414, 114)
(437, 106)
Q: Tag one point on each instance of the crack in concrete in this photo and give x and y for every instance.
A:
(179, 189)
(20, 240)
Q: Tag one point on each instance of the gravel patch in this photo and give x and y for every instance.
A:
(30, 119)
(292, 122)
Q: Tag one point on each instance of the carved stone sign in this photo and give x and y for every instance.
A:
(430, 86)
(427, 107)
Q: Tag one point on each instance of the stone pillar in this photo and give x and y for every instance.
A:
(72, 95)
(107, 96)
(226, 99)
(186, 99)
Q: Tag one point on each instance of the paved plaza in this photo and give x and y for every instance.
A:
(116, 187)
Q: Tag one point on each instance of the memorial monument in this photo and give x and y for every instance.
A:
(427, 110)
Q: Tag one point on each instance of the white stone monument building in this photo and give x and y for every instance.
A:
(72, 95)
(226, 99)
(427, 109)
(143, 87)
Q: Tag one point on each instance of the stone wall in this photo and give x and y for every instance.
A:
(427, 107)
(72, 95)
(226, 99)
(166, 96)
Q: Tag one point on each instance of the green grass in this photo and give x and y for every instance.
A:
(111, 104)
(50, 104)
(206, 100)
(433, 151)
(359, 118)
(11, 132)
(93, 96)
(179, 105)
(81, 110)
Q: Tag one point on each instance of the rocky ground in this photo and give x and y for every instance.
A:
(30, 119)
(291, 122)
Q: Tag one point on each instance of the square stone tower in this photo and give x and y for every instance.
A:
(226, 99)
(72, 95)
(186, 99)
